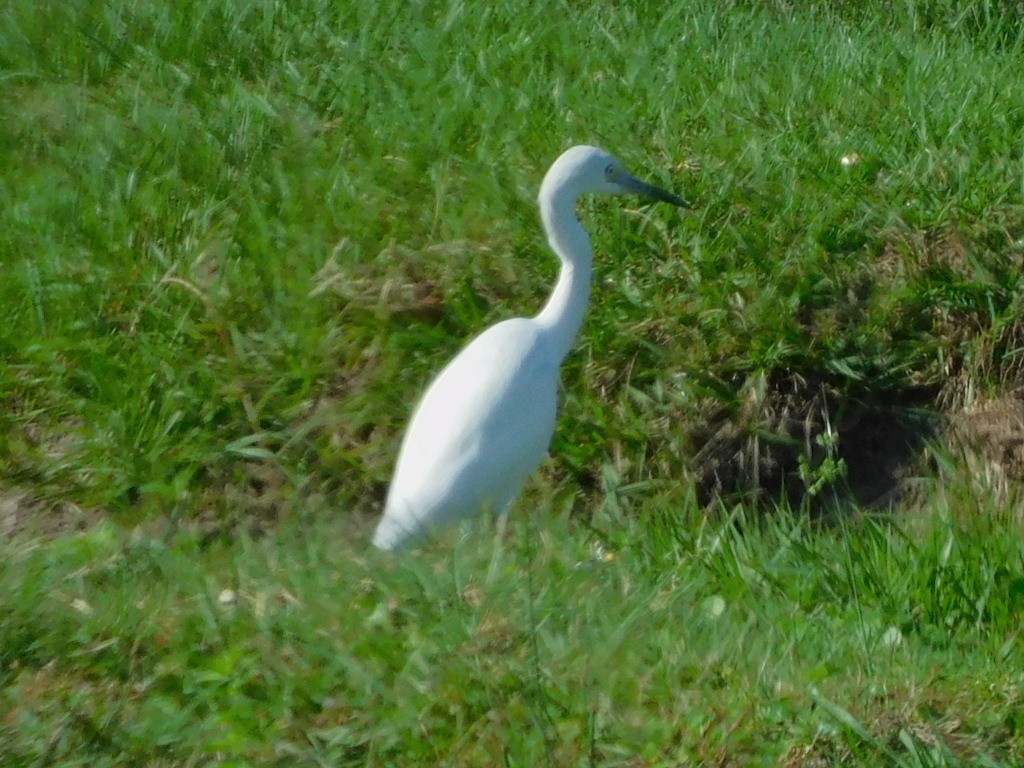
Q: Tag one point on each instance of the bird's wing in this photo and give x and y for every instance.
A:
(483, 423)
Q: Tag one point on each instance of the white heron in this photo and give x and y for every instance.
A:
(486, 421)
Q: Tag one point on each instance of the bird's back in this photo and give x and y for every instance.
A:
(483, 425)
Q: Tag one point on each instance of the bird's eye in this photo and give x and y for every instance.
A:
(609, 171)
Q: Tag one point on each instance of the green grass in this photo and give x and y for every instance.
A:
(735, 643)
(237, 239)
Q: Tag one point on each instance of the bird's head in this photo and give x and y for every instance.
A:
(586, 170)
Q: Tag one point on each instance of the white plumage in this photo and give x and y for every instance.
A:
(486, 421)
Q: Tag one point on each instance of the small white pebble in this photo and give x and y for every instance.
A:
(81, 606)
(892, 637)
(227, 597)
(714, 606)
(850, 160)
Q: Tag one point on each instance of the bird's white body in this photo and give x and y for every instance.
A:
(481, 428)
(485, 423)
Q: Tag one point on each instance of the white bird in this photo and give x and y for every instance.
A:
(486, 421)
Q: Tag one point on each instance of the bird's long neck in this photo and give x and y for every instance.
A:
(562, 316)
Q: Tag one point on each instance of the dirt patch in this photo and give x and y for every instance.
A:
(773, 446)
(24, 514)
(993, 429)
(987, 439)
(789, 432)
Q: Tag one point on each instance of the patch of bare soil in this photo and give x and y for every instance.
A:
(885, 443)
(32, 513)
(779, 442)
(988, 436)
(24, 514)
(994, 429)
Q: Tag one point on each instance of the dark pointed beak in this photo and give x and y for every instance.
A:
(642, 188)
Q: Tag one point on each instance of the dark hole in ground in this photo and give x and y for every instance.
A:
(780, 445)
(883, 445)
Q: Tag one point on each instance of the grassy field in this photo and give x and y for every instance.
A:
(781, 522)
